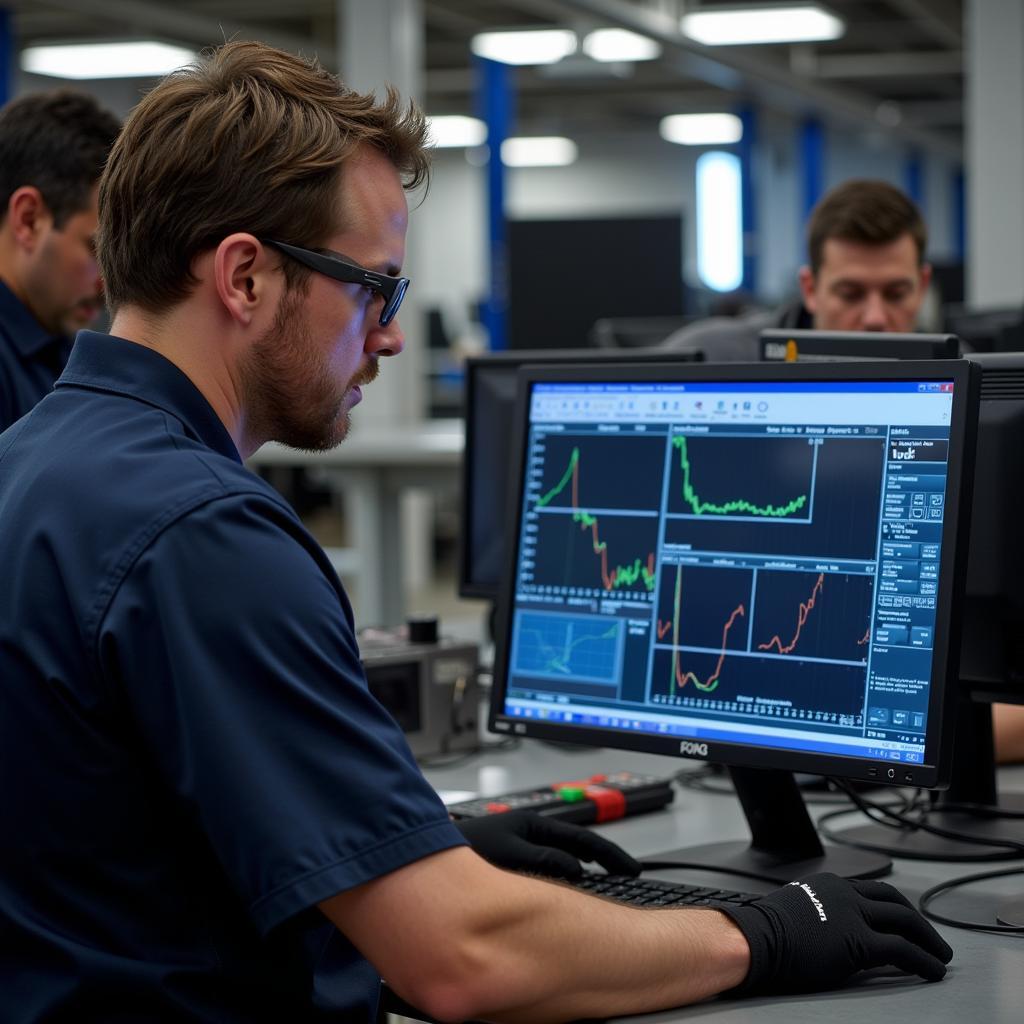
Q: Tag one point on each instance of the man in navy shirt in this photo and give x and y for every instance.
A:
(206, 814)
(52, 149)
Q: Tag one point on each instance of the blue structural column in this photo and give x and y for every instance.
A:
(913, 179)
(494, 102)
(812, 164)
(7, 56)
(747, 150)
(959, 195)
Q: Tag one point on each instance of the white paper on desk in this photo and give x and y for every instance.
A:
(453, 796)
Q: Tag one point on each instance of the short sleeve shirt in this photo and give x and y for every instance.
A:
(31, 359)
(190, 758)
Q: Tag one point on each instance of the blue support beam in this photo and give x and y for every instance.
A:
(959, 215)
(8, 56)
(913, 180)
(812, 164)
(495, 105)
(747, 152)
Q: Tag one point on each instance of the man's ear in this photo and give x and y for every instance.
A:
(28, 216)
(807, 289)
(245, 277)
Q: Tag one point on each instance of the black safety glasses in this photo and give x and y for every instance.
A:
(392, 288)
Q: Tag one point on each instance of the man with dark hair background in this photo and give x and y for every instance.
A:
(52, 149)
(866, 271)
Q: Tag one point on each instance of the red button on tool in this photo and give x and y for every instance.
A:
(496, 808)
(610, 803)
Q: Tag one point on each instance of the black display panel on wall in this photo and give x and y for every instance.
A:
(565, 274)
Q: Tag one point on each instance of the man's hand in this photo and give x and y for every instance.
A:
(526, 841)
(816, 932)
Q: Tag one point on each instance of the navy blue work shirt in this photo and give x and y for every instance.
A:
(190, 758)
(31, 359)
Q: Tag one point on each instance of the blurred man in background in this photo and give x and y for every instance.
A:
(53, 147)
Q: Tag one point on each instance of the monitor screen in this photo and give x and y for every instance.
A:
(782, 345)
(490, 397)
(753, 564)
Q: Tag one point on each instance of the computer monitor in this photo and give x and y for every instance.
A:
(780, 345)
(751, 564)
(992, 645)
(488, 408)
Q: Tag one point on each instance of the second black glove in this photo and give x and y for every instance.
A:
(815, 933)
(526, 841)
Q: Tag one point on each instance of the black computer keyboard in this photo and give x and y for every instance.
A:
(653, 892)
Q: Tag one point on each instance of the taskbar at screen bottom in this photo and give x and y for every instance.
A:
(695, 729)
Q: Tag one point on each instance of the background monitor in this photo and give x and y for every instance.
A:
(563, 275)
(781, 345)
(489, 406)
(756, 565)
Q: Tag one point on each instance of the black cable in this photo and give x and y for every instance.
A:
(975, 926)
(901, 820)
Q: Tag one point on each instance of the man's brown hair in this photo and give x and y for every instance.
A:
(870, 212)
(249, 138)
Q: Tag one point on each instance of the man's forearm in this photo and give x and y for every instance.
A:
(468, 940)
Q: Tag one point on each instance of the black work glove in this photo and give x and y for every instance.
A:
(815, 933)
(527, 841)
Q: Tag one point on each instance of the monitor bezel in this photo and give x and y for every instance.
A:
(867, 345)
(935, 772)
(471, 587)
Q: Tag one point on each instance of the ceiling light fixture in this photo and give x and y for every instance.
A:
(84, 61)
(448, 131)
(532, 46)
(610, 45)
(766, 23)
(538, 151)
(701, 129)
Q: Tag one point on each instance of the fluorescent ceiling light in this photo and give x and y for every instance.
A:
(784, 23)
(701, 129)
(452, 130)
(538, 151)
(533, 46)
(619, 44)
(141, 59)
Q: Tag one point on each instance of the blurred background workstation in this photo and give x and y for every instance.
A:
(617, 182)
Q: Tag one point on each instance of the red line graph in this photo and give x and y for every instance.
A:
(680, 678)
(587, 521)
(805, 609)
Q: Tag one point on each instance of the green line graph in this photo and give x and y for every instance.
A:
(559, 661)
(555, 491)
(700, 507)
(621, 575)
(555, 646)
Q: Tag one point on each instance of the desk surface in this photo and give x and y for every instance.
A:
(985, 983)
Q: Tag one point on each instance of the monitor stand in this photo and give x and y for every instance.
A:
(784, 843)
(974, 782)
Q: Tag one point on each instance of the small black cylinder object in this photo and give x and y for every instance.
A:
(423, 629)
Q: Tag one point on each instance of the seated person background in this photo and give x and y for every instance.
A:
(866, 246)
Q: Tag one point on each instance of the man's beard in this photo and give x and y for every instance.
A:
(289, 393)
